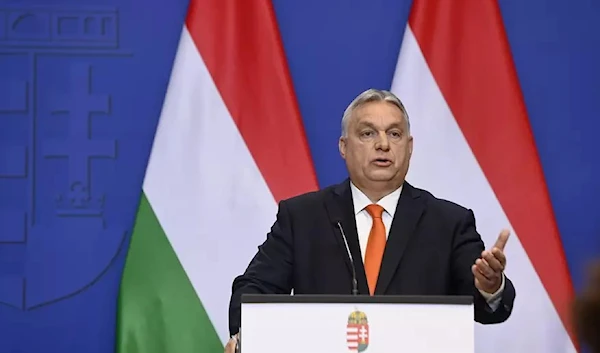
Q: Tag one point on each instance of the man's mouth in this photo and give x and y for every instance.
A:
(382, 162)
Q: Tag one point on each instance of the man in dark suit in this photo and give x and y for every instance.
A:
(403, 240)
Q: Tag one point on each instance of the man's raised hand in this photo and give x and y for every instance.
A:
(489, 267)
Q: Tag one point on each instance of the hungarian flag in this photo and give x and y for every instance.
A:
(473, 145)
(229, 145)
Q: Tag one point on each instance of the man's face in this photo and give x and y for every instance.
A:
(378, 147)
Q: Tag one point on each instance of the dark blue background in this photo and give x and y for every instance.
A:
(65, 222)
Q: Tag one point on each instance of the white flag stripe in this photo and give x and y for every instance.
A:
(443, 163)
(209, 209)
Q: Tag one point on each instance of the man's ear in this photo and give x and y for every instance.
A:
(342, 147)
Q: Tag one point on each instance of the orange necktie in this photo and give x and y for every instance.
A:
(375, 246)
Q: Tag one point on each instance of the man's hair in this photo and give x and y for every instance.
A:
(368, 96)
(586, 311)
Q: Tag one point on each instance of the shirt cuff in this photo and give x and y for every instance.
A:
(493, 300)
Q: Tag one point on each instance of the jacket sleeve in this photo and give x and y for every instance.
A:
(269, 271)
(467, 247)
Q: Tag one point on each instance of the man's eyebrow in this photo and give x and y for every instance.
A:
(365, 123)
(391, 126)
(398, 125)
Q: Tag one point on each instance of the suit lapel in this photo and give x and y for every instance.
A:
(408, 212)
(340, 208)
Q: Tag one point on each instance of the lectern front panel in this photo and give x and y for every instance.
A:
(332, 325)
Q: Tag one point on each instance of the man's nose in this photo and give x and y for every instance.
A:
(382, 141)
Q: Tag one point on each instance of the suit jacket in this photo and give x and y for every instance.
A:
(431, 247)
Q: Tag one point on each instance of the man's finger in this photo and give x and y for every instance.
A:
(492, 261)
(230, 347)
(479, 277)
(498, 254)
(502, 239)
(484, 268)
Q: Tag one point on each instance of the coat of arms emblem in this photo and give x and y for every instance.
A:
(357, 332)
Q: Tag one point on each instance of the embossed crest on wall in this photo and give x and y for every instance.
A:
(57, 150)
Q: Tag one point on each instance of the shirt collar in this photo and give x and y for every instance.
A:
(388, 202)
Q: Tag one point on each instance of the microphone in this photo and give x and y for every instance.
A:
(354, 281)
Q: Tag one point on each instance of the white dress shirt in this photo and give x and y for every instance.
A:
(389, 203)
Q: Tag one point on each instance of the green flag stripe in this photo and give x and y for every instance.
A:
(159, 311)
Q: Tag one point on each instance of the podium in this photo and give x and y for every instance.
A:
(356, 324)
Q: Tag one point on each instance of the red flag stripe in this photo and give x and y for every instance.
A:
(465, 46)
(241, 46)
